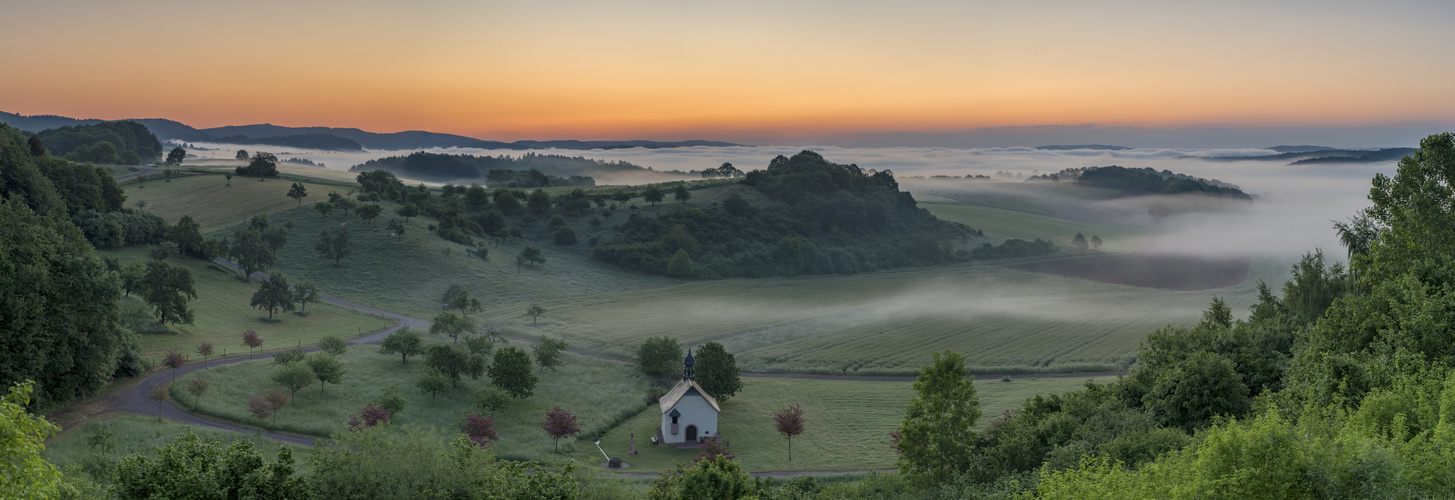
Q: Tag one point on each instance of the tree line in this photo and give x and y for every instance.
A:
(121, 142)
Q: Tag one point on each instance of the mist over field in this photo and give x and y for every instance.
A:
(1291, 215)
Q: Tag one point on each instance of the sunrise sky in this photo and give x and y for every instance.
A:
(749, 71)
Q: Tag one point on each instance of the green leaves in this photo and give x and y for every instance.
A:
(717, 371)
(934, 440)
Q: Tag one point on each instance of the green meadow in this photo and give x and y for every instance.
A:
(598, 392)
(222, 312)
(847, 423)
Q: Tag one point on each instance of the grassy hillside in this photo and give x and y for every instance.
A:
(222, 312)
(847, 423)
(214, 204)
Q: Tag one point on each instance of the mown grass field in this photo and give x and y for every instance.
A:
(598, 392)
(1004, 321)
(847, 423)
(1028, 226)
(214, 204)
(142, 434)
(222, 312)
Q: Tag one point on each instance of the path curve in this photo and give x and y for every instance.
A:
(133, 175)
(136, 398)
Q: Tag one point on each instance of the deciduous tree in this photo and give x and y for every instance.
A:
(323, 208)
(681, 194)
(1079, 241)
(293, 376)
(326, 368)
(935, 438)
(333, 344)
(535, 311)
(1095, 242)
(174, 360)
(167, 289)
(660, 356)
(433, 382)
(333, 245)
(298, 192)
(549, 353)
(187, 234)
(197, 386)
(273, 295)
(558, 424)
(451, 324)
(251, 253)
(369, 416)
(205, 350)
(481, 431)
(789, 423)
(176, 155)
(369, 212)
(24, 473)
(717, 371)
(511, 372)
(191, 467)
(250, 338)
(652, 195)
(303, 294)
(407, 211)
(404, 342)
(529, 256)
(242, 154)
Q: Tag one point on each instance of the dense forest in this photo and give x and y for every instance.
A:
(807, 216)
(123, 142)
(59, 324)
(436, 167)
(1135, 181)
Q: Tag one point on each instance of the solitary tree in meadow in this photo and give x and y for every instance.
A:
(528, 256)
(176, 156)
(404, 342)
(549, 353)
(789, 424)
(1095, 242)
(559, 423)
(535, 311)
(228, 177)
(204, 349)
(273, 295)
(298, 192)
(251, 252)
(250, 338)
(167, 289)
(652, 195)
(681, 194)
(333, 245)
(197, 386)
(303, 294)
(242, 154)
(1079, 241)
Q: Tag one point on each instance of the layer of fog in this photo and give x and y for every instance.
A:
(1291, 215)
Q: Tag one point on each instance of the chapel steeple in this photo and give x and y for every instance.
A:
(687, 366)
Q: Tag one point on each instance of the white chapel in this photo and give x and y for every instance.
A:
(689, 414)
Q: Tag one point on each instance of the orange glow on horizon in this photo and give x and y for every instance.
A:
(515, 70)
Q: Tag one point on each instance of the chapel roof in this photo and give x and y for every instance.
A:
(684, 388)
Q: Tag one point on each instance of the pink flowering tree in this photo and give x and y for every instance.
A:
(368, 416)
(560, 423)
(481, 430)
